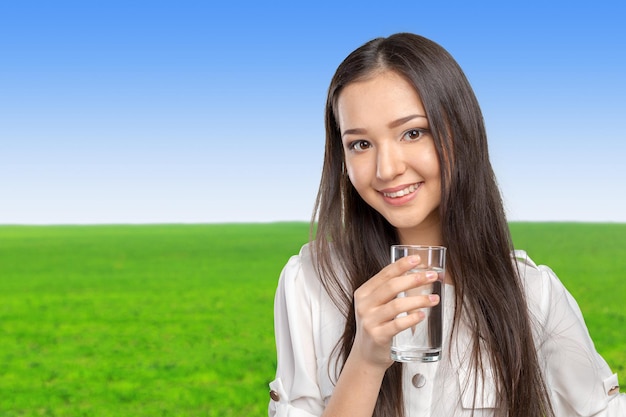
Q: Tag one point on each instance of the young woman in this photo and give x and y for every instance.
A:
(406, 162)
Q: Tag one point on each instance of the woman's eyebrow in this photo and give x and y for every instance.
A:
(357, 131)
(403, 120)
(391, 125)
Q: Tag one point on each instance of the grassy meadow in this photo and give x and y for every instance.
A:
(176, 320)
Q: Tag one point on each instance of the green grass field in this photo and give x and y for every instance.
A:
(176, 320)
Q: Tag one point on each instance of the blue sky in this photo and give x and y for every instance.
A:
(190, 111)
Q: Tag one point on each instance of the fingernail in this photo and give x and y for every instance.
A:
(431, 275)
(413, 259)
(433, 297)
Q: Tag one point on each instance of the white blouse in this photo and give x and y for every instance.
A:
(308, 325)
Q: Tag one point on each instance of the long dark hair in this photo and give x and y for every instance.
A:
(352, 239)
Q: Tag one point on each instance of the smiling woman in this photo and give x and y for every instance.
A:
(407, 161)
(392, 161)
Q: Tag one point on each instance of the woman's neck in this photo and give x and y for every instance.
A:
(424, 235)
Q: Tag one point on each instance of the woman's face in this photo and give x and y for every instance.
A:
(390, 155)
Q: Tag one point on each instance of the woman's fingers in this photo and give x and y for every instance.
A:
(385, 321)
(394, 270)
(387, 288)
(378, 308)
(388, 313)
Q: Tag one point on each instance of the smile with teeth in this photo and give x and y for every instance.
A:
(408, 190)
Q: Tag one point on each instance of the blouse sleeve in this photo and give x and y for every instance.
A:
(295, 391)
(580, 381)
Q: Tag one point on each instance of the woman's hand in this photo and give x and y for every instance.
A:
(376, 308)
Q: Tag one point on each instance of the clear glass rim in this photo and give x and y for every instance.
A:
(418, 247)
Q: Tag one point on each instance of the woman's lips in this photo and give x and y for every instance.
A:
(400, 195)
(402, 192)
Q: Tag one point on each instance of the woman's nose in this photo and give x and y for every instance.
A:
(390, 162)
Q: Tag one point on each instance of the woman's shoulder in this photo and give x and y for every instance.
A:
(302, 260)
(527, 267)
(300, 269)
(543, 288)
(531, 272)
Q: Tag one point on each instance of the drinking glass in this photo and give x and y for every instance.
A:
(423, 341)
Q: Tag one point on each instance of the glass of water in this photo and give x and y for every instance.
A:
(423, 341)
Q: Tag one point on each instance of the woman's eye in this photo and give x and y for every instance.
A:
(360, 145)
(415, 134)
